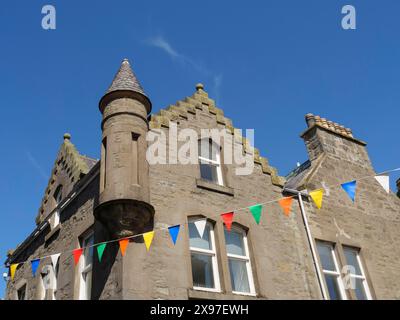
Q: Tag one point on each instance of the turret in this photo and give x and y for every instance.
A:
(124, 207)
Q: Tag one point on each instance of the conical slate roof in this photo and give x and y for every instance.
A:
(125, 79)
(125, 84)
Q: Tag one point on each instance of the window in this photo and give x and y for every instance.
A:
(210, 161)
(85, 267)
(48, 283)
(357, 275)
(55, 219)
(239, 261)
(21, 293)
(330, 268)
(204, 259)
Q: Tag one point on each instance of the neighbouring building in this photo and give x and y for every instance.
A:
(89, 201)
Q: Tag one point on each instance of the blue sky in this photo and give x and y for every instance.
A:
(267, 64)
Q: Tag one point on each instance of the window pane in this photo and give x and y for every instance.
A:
(208, 149)
(202, 271)
(325, 255)
(88, 250)
(239, 277)
(196, 241)
(351, 259)
(208, 172)
(359, 289)
(333, 287)
(234, 242)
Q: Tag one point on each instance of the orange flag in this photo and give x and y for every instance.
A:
(227, 218)
(286, 204)
(77, 254)
(122, 245)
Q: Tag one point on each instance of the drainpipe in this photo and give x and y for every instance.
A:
(310, 239)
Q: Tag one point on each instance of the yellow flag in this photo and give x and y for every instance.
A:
(148, 238)
(13, 267)
(317, 196)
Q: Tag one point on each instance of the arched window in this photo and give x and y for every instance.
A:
(210, 161)
(203, 257)
(239, 261)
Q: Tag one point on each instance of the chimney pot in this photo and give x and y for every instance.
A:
(310, 120)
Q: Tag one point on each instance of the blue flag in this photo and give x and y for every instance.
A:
(35, 265)
(350, 188)
(173, 231)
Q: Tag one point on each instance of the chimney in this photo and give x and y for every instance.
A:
(327, 137)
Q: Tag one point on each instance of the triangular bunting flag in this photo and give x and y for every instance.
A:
(100, 250)
(148, 238)
(13, 267)
(384, 182)
(256, 212)
(123, 244)
(54, 260)
(317, 196)
(286, 204)
(200, 226)
(350, 188)
(35, 265)
(173, 232)
(77, 254)
(228, 218)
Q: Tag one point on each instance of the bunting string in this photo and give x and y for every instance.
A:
(173, 230)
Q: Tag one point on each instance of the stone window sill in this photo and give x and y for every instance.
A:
(210, 295)
(204, 184)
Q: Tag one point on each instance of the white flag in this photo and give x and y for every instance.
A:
(54, 259)
(384, 182)
(200, 225)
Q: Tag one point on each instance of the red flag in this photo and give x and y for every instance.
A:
(286, 204)
(77, 254)
(227, 218)
(122, 245)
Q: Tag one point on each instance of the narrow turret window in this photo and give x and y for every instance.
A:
(135, 159)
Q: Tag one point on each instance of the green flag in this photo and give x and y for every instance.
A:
(100, 250)
(256, 212)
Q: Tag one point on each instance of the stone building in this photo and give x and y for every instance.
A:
(305, 255)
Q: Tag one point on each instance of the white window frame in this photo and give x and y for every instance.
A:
(246, 259)
(55, 219)
(336, 273)
(84, 269)
(213, 254)
(216, 163)
(362, 276)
